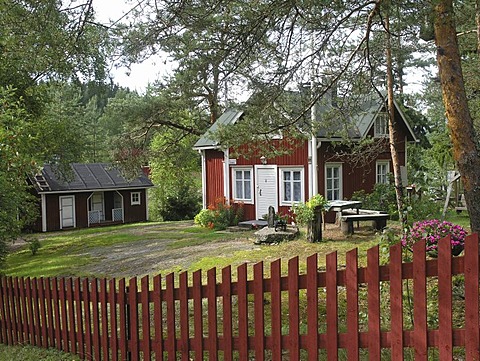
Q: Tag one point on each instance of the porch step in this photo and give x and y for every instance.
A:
(258, 223)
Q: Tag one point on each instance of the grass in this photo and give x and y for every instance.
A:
(30, 353)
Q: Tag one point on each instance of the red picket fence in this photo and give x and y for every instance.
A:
(345, 311)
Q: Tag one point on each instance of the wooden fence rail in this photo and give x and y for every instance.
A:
(347, 311)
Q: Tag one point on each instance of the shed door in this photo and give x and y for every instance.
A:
(67, 211)
(266, 186)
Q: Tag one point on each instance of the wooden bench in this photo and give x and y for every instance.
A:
(379, 221)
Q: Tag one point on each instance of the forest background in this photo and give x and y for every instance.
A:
(60, 104)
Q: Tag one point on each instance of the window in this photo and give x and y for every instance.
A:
(383, 169)
(333, 181)
(135, 198)
(381, 125)
(291, 186)
(242, 180)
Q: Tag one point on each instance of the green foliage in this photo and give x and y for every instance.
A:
(304, 212)
(220, 215)
(382, 198)
(174, 168)
(31, 353)
(423, 208)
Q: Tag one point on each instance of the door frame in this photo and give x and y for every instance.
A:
(257, 198)
(61, 210)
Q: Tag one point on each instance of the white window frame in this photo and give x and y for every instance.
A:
(382, 163)
(284, 202)
(234, 184)
(133, 201)
(340, 172)
(381, 125)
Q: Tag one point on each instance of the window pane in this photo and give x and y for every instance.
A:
(286, 176)
(287, 192)
(296, 175)
(238, 189)
(246, 175)
(297, 192)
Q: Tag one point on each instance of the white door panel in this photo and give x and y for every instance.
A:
(266, 190)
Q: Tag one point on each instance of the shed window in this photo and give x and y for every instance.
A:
(135, 198)
(333, 181)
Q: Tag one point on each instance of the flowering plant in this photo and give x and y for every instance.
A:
(432, 231)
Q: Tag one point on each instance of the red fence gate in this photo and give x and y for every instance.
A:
(394, 309)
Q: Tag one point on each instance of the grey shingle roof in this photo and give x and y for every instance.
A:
(91, 176)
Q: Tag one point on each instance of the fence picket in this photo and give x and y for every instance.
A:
(146, 347)
(104, 319)
(332, 306)
(227, 313)
(13, 312)
(312, 307)
(396, 303)
(71, 316)
(259, 313)
(373, 280)
(48, 297)
(157, 317)
(445, 332)
(197, 345)
(88, 319)
(43, 313)
(8, 309)
(420, 302)
(95, 320)
(276, 309)
(112, 301)
(472, 323)
(98, 322)
(122, 309)
(293, 309)
(212, 314)
(171, 344)
(184, 324)
(79, 317)
(19, 320)
(242, 312)
(133, 317)
(351, 280)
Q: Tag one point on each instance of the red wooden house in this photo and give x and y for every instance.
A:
(97, 194)
(318, 165)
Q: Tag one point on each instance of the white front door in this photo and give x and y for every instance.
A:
(266, 189)
(67, 211)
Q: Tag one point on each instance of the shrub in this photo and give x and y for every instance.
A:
(304, 212)
(34, 245)
(220, 215)
(431, 231)
(382, 198)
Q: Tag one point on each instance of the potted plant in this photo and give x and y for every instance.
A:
(310, 214)
(432, 231)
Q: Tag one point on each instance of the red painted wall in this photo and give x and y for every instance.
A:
(214, 173)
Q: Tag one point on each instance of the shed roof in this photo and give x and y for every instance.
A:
(88, 176)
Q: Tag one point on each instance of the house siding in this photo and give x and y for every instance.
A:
(134, 213)
(297, 157)
(214, 160)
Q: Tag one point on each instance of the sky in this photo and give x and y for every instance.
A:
(139, 75)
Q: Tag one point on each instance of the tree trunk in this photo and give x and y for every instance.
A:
(314, 228)
(459, 120)
(392, 126)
